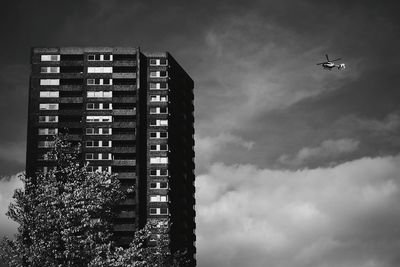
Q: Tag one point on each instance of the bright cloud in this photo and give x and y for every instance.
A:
(347, 215)
(7, 187)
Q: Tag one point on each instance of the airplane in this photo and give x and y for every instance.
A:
(329, 65)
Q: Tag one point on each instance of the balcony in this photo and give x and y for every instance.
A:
(127, 214)
(124, 112)
(124, 87)
(124, 63)
(71, 99)
(69, 124)
(124, 149)
(123, 136)
(128, 202)
(124, 162)
(124, 124)
(126, 175)
(124, 227)
(129, 99)
(70, 112)
(70, 88)
(124, 75)
(74, 137)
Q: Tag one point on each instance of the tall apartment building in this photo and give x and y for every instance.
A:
(132, 112)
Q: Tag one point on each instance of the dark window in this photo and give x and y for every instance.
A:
(163, 61)
(124, 57)
(163, 211)
(163, 147)
(106, 57)
(71, 57)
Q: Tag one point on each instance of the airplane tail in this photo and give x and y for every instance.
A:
(341, 66)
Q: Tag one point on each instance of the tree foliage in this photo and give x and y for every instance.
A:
(64, 215)
(64, 218)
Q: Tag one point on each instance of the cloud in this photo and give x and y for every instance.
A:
(7, 186)
(328, 150)
(208, 147)
(347, 215)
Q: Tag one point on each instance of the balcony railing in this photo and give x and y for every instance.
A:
(127, 214)
(124, 227)
(123, 136)
(124, 162)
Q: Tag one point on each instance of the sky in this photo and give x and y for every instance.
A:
(296, 166)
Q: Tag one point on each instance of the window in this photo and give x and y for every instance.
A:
(98, 143)
(158, 135)
(158, 172)
(48, 131)
(48, 118)
(49, 94)
(158, 160)
(158, 198)
(50, 69)
(98, 118)
(48, 106)
(158, 74)
(49, 81)
(98, 156)
(158, 211)
(102, 94)
(158, 62)
(45, 144)
(100, 70)
(98, 106)
(96, 81)
(159, 185)
(159, 110)
(158, 98)
(99, 57)
(162, 147)
(158, 122)
(98, 131)
(50, 58)
(99, 169)
(159, 86)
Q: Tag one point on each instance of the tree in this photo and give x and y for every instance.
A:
(64, 215)
(64, 218)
